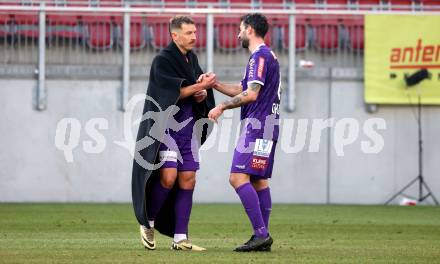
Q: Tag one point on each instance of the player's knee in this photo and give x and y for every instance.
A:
(187, 180)
(260, 184)
(238, 179)
(187, 184)
(167, 182)
(233, 180)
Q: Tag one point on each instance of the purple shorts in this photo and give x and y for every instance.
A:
(169, 154)
(254, 157)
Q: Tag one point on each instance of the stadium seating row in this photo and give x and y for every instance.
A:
(320, 4)
(101, 32)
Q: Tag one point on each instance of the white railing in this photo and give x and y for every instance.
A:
(41, 42)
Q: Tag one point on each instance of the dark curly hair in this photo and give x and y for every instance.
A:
(258, 22)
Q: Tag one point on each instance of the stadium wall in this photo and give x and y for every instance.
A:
(33, 169)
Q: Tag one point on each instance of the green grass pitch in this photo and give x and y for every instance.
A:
(108, 233)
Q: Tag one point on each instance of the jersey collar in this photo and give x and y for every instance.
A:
(258, 47)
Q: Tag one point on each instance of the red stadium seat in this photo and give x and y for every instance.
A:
(273, 4)
(107, 3)
(63, 26)
(369, 4)
(26, 25)
(227, 29)
(174, 4)
(430, 4)
(138, 31)
(203, 3)
(158, 30)
(81, 3)
(240, 4)
(99, 31)
(325, 33)
(6, 19)
(111, 3)
(201, 31)
(305, 4)
(34, 3)
(300, 32)
(300, 35)
(5, 25)
(337, 4)
(402, 5)
(355, 32)
(10, 3)
(151, 3)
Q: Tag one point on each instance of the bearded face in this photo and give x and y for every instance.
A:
(242, 36)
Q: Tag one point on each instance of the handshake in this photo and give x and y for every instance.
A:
(208, 81)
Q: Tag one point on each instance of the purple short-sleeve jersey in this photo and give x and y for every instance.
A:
(263, 68)
(185, 112)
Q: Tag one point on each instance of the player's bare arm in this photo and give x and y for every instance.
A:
(229, 89)
(245, 97)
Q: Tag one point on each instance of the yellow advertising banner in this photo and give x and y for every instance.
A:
(397, 46)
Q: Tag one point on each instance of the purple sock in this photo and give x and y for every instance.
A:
(183, 208)
(156, 198)
(249, 199)
(265, 205)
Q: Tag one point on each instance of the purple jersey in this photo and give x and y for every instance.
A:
(263, 68)
(185, 112)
